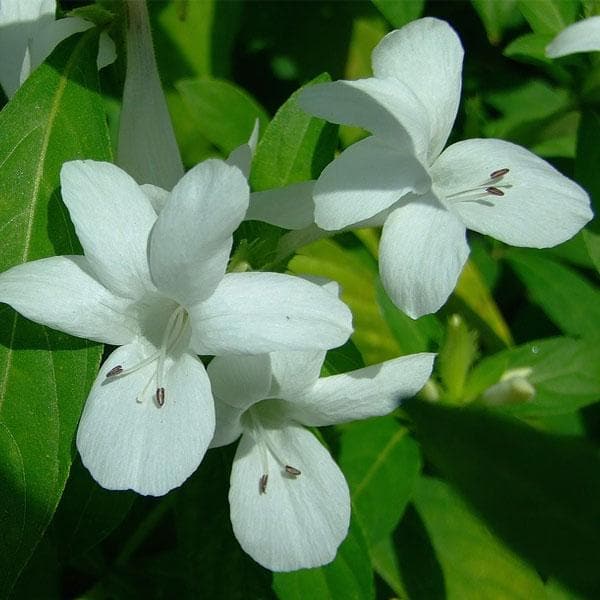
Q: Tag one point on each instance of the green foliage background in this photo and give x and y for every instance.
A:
(450, 499)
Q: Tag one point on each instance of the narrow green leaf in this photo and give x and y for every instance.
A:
(537, 492)
(400, 13)
(530, 47)
(475, 564)
(348, 577)
(568, 299)
(44, 376)
(381, 463)
(224, 113)
(564, 373)
(295, 146)
(548, 16)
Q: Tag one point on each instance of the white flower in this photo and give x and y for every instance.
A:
(29, 33)
(290, 505)
(583, 36)
(156, 286)
(427, 198)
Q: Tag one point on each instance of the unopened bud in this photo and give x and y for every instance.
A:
(513, 388)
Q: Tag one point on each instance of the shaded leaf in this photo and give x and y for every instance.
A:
(400, 13)
(548, 16)
(539, 493)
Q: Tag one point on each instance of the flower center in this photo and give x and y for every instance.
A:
(493, 186)
(266, 448)
(174, 331)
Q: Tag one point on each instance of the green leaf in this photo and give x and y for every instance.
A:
(592, 242)
(475, 564)
(87, 513)
(224, 113)
(356, 277)
(381, 463)
(588, 156)
(295, 146)
(44, 375)
(211, 560)
(568, 299)
(548, 16)
(530, 47)
(348, 577)
(400, 13)
(537, 492)
(564, 373)
(496, 16)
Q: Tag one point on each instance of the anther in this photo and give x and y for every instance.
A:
(160, 396)
(292, 471)
(262, 484)
(494, 191)
(115, 371)
(499, 173)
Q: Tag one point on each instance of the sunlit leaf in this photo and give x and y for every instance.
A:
(44, 375)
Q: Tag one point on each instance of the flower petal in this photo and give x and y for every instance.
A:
(291, 207)
(20, 21)
(385, 107)
(241, 380)
(423, 250)
(294, 372)
(190, 243)
(364, 180)
(241, 157)
(131, 444)
(157, 196)
(298, 522)
(583, 36)
(541, 208)
(369, 392)
(112, 218)
(251, 313)
(228, 426)
(62, 293)
(426, 55)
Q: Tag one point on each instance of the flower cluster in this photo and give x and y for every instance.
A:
(153, 281)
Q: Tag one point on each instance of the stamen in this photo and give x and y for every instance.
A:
(494, 191)
(262, 483)
(115, 371)
(160, 397)
(292, 471)
(499, 173)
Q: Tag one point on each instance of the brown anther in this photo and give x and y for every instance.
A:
(292, 471)
(262, 483)
(115, 371)
(498, 173)
(494, 191)
(160, 397)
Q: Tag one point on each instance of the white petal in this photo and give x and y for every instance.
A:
(541, 208)
(228, 426)
(62, 293)
(583, 36)
(251, 313)
(369, 392)
(291, 207)
(241, 380)
(112, 218)
(52, 34)
(241, 157)
(300, 521)
(190, 243)
(157, 196)
(364, 180)
(294, 372)
(107, 51)
(20, 21)
(427, 56)
(385, 107)
(130, 444)
(423, 250)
